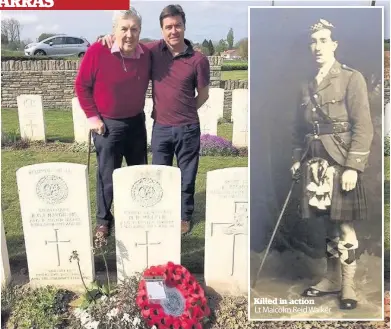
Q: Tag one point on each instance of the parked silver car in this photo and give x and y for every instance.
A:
(58, 45)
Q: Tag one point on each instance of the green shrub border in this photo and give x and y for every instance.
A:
(234, 66)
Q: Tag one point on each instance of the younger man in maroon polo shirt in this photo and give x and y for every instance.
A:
(111, 87)
(177, 71)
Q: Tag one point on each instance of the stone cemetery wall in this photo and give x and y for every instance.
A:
(228, 87)
(54, 80)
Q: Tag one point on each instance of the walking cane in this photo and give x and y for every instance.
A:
(89, 151)
(295, 180)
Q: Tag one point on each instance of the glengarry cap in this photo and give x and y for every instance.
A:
(321, 25)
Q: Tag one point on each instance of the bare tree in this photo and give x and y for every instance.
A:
(11, 27)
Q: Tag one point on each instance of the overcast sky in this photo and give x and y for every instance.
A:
(205, 19)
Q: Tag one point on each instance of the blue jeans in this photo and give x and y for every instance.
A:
(184, 143)
(123, 138)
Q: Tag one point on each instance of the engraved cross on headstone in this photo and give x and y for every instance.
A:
(147, 244)
(31, 125)
(244, 130)
(57, 245)
(237, 227)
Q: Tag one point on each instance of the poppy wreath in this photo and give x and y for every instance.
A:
(186, 305)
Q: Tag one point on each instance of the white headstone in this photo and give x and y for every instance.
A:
(208, 119)
(55, 208)
(239, 103)
(387, 120)
(147, 212)
(216, 101)
(148, 108)
(80, 122)
(5, 265)
(240, 129)
(226, 230)
(31, 118)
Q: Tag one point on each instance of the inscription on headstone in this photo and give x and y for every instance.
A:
(55, 207)
(226, 229)
(147, 211)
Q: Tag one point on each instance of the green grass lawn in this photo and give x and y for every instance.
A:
(227, 61)
(59, 125)
(234, 75)
(60, 128)
(5, 52)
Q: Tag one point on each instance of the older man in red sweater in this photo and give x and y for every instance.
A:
(111, 87)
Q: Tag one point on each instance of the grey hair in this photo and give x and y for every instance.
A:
(131, 13)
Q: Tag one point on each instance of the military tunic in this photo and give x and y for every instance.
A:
(343, 97)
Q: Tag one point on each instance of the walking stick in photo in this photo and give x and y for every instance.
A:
(89, 151)
(295, 179)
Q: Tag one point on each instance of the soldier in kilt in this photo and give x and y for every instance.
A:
(332, 138)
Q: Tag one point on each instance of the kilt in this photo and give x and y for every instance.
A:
(345, 206)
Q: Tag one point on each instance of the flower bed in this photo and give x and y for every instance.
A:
(214, 145)
(46, 308)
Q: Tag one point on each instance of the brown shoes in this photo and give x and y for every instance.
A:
(185, 227)
(102, 231)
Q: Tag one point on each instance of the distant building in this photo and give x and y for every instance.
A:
(231, 54)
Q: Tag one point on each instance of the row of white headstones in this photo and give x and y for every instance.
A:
(32, 121)
(56, 217)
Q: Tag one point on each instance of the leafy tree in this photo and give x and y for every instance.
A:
(205, 51)
(44, 36)
(205, 47)
(243, 48)
(221, 46)
(211, 48)
(4, 39)
(230, 38)
(11, 28)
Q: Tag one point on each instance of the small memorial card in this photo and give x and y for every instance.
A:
(155, 289)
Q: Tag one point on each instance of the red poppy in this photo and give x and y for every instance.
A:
(186, 306)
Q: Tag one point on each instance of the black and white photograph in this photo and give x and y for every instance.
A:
(316, 163)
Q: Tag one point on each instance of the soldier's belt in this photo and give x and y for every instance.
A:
(330, 128)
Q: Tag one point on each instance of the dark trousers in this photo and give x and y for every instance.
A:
(184, 143)
(122, 138)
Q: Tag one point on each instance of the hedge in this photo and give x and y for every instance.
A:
(234, 66)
